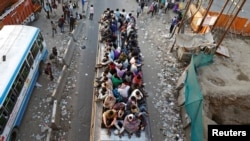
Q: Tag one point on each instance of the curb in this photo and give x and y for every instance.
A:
(67, 56)
(93, 110)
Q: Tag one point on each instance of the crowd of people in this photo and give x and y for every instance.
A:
(120, 84)
(69, 16)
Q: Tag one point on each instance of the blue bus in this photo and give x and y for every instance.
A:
(22, 51)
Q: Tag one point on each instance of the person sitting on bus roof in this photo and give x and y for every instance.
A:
(118, 64)
(132, 124)
(134, 109)
(120, 108)
(143, 117)
(109, 101)
(120, 71)
(123, 91)
(109, 119)
(133, 68)
(119, 127)
(102, 94)
(131, 100)
(137, 94)
(116, 80)
(137, 79)
(107, 83)
(127, 77)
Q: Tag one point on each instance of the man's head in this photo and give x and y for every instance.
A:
(133, 98)
(137, 93)
(121, 112)
(111, 113)
(130, 117)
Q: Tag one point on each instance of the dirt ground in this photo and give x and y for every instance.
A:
(225, 84)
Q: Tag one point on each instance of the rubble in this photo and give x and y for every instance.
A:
(165, 100)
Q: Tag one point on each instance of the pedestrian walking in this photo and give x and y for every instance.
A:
(42, 2)
(54, 7)
(139, 10)
(166, 7)
(48, 71)
(71, 9)
(156, 6)
(50, 5)
(65, 9)
(91, 12)
(173, 23)
(117, 14)
(47, 9)
(71, 23)
(142, 3)
(151, 9)
(83, 3)
(53, 25)
(61, 23)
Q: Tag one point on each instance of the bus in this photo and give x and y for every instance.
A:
(23, 51)
(98, 131)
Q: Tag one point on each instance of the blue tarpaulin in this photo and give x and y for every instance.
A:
(193, 95)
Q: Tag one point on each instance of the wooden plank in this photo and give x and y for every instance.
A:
(222, 50)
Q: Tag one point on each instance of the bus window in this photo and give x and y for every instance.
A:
(9, 103)
(3, 119)
(40, 41)
(30, 59)
(40, 36)
(35, 49)
(13, 97)
(17, 86)
(24, 72)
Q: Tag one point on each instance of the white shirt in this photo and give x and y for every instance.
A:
(123, 90)
(91, 10)
(166, 4)
(134, 94)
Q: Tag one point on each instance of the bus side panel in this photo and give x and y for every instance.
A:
(45, 54)
(26, 99)
(30, 89)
